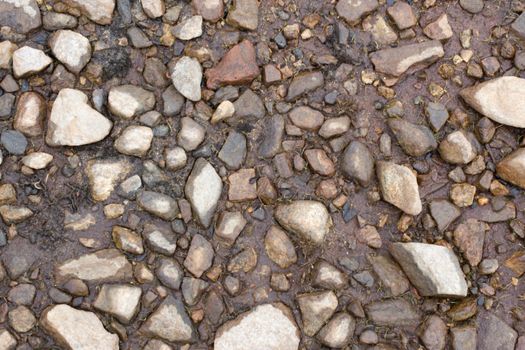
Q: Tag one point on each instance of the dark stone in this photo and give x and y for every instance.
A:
(115, 62)
(14, 142)
(270, 143)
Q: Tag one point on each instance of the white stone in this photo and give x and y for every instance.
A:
(191, 134)
(99, 11)
(28, 61)
(37, 160)
(135, 140)
(119, 300)
(399, 187)
(188, 29)
(104, 174)
(153, 8)
(187, 78)
(127, 101)
(7, 341)
(6, 53)
(71, 48)
(175, 158)
(225, 110)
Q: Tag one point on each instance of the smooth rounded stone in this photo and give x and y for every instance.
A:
(270, 142)
(416, 140)
(444, 213)
(200, 256)
(229, 226)
(279, 247)
(188, 29)
(210, 10)
(71, 48)
(245, 260)
(338, 332)
(233, 151)
(129, 187)
(488, 266)
(14, 214)
(127, 101)
(308, 219)
(193, 289)
(407, 58)
(244, 14)
(28, 61)
(320, 162)
(265, 327)
(9, 84)
(119, 300)
(499, 100)
(493, 333)
(6, 105)
(472, 6)
(73, 122)
(127, 240)
(7, 49)
(434, 270)
(512, 168)
(353, 10)
(306, 118)
(31, 111)
(20, 15)
(439, 29)
(99, 11)
(393, 313)
(54, 21)
(402, 14)
(153, 8)
(191, 134)
(22, 294)
(13, 141)
(169, 273)
(463, 337)
(334, 127)
(169, 322)
(390, 274)
(358, 163)
(316, 309)
(7, 340)
(135, 140)
(37, 160)
(173, 102)
(187, 78)
(104, 174)
(399, 187)
(21, 319)
(203, 190)
(224, 111)
(433, 333)
(77, 329)
(107, 265)
(456, 148)
(175, 158)
(328, 276)
(158, 204)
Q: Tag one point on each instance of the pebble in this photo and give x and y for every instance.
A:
(433, 333)
(70, 48)
(153, 8)
(328, 276)
(416, 140)
(229, 226)
(338, 332)
(158, 204)
(127, 240)
(244, 14)
(402, 14)
(191, 134)
(358, 163)
(99, 11)
(37, 160)
(494, 333)
(135, 140)
(472, 6)
(119, 300)
(127, 101)
(439, 29)
(21, 16)
(316, 309)
(200, 256)
(14, 142)
(210, 10)
(399, 187)
(456, 148)
(169, 272)
(28, 61)
(392, 313)
(306, 118)
(31, 111)
(353, 10)
(224, 111)
(188, 29)
(104, 174)
(233, 151)
(303, 83)
(334, 127)
(279, 247)
(55, 21)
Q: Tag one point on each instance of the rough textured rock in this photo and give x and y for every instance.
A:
(279, 247)
(71, 48)
(456, 148)
(393, 312)
(119, 300)
(306, 118)
(103, 175)
(28, 61)
(433, 333)
(30, 114)
(200, 256)
(188, 29)
(316, 309)
(21, 15)
(416, 140)
(399, 187)
(512, 168)
(390, 274)
(187, 77)
(210, 10)
(338, 331)
(99, 11)
(469, 237)
(127, 101)
(303, 83)
(493, 333)
(135, 140)
(244, 14)
(158, 204)
(353, 10)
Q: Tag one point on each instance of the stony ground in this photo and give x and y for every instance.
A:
(262, 175)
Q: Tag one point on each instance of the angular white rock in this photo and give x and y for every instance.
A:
(119, 300)
(28, 61)
(71, 48)
(187, 78)
(37, 160)
(399, 187)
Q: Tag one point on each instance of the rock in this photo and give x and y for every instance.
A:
(21, 15)
(399, 187)
(127, 240)
(462, 194)
(55, 21)
(176, 158)
(73, 122)
(6, 53)
(303, 83)
(244, 14)
(237, 67)
(210, 10)
(203, 190)
(512, 168)
(279, 247)
(493, 333)
(306, 118)
(392, 313)
(21, 319)
(200, 256)
(463, 310)
(244, 261)
(382, 32)
(170, 273)
(138, 38)
(272, 136)
(188, 29)
(434, 270)
(158, 204)
(127, 101)
(103, 175)
(402, 14)
(7, 341)
(242, 185)
(191, 134)
(192, 289)
(334, 127)
(267, 326)
(248, 105)
(416, 140)
(338, 332)
(224, 111)
(464, 338)
(28, 61)
(328, 276)
(22, 294)
(229, 226)
(99, 11)
(439, 29)
(437, 115)
(155, 72)
(160, 240)
(407, 58)
(233, 151)
(6, 105)
(19, 256)
(433, 333)
(472, 6)
(358, 163)
(316, 309)
(390, 274)
(77, 329)
(71, 48)
(14, 214)
(487, 214)
(308, 219)
(444, 213)
(31, 111)
(320, 162)
(169, 322)
(353, 10)
(119, 300)
(187, 77)
(368, 235)
(14, 142)
(155, 344)
(37, 160)
(107, 265)
(135, 140)
(153, 8)
(457, 149)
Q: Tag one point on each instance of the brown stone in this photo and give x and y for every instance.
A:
(512, 168)
(368, 235)
(30, 114)
(320, 162)
(243, 186)
(210, 10)
(469, 238)
(402, 14)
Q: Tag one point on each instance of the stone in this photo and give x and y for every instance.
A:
(7, 340)
(390, 274)
(14, 142)
(21, 15)
(392, 313)
(245, 260)
(439, 29)
(37, 160)
(306, 118)
(272, 136)
(158, 204)
(462, 194)
(303, 83)
(402, 14)
(22, 294)
(55, 21)
(320, 162)
(71, 48)
(6, 53)
(31, 111)
(456, 148)
(399, 187)
(169, 322)
(170, 273)
(512, 168)
(203, 190)
(99, 11)
(138, 38)
(6, 105)
(160, 240)
(192, 289)
(21, 319)
(135, 140)
(155, 344)
(127, 240)
(103, 175)
(242, 185)
(187, 76)
(316, 309)
(407, 58)
(358, 163)
(244, 14)
(210, 10)
(338, 332)
(119, 300)
(175, 158)
(153, 8)
(437, 115)
(472, 6)
(368, 235)
(416, 140)
(155, 72)
(334, 127)
(327, 276)
(14, 214)
(248, 105)
(191, 134)
(188, 29)
(433, 333)
(127, 101)
(229, 226)
(200, 256)
(28, 61)
(233, 151)
(237, 67)
(353, 10)
(224, 111)
(382, 32)
(279, 247)
(434, 270)
(444, 213)
(73, 122)
(267, 326)
(463, 338)
(493, 333)
(308, 219)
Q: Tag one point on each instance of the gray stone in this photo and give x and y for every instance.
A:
(271, 139)
(244, 14)
(416, 140)
(303, 83)
(192, 289)
(104, 174)
(14, 142)
(173, 101)
(279, 247)
(233, 151)
(338, 332)
(158, 204)
(358, 163)
(248, 105)
(493, 333)
(229, 226)
(188, 29)
(393, 313)
(6, 105)
(472, 6)
(316, 309)
(135, 140)
(191, 134)
(55, 20)
(353, 10)
(200, 256)
(99, 11)
(444, 213)
(187, 77)
(390, 274)
(20, 15)
(170, 273)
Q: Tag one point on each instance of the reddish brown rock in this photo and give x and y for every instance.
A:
(242, 185)
(237, 67)
(319, 161)
(469, 238)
